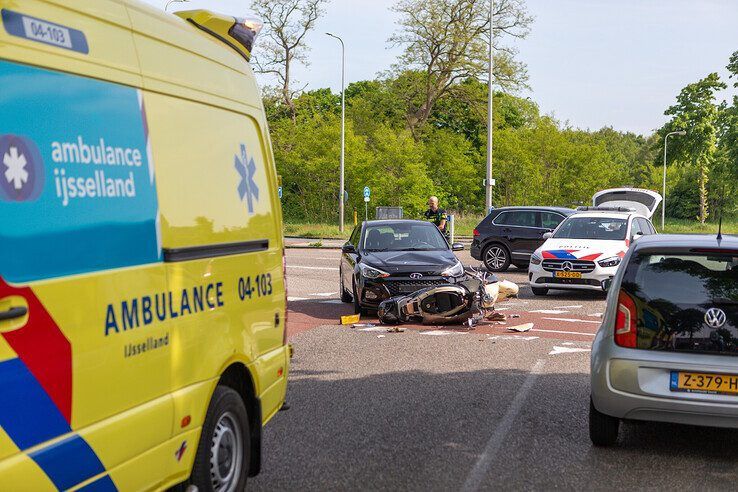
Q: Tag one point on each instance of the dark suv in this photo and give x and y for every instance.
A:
(509, 235)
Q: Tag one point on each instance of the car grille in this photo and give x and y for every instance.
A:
(407, 286)
(568, 281)
(583, 266)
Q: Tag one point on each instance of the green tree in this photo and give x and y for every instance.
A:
(696, 112)
(447, 41)
(286, 24)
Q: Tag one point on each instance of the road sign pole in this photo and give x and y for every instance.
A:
(366, 210)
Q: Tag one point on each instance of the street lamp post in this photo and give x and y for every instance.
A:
(663, 196)
(343, 128)
(173, 1)
(490, 93)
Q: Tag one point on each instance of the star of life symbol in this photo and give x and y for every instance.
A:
(247, 188)
(15, 164)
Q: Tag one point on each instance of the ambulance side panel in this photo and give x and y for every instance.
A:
(81, 396)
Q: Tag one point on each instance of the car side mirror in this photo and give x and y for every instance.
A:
(457, 247)
(348, 248)
(548, 235)
(606, 284)
(636, 236)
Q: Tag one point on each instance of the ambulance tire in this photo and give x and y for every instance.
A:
(223, 455)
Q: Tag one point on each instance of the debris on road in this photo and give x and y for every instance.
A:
(395, 329)
(363, 325)
(350, 319)
(381, 336)
(512, 337)
(495, 316)
(514, 315)
(521, 328)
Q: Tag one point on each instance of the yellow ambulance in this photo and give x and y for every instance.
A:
(142, 293)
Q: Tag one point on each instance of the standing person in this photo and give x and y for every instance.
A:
(437, 215)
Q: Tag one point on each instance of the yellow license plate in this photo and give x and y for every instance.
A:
(700, 382)
(568, 274)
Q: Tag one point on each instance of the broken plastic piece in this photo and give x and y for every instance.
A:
(521, 328)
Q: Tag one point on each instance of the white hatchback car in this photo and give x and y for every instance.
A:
(586, 248)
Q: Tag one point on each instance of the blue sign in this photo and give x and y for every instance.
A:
(279, 192)
(42, 31)
(367, 192)
(77, 188)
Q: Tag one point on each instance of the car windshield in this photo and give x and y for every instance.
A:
(607, 228)
(404, 237)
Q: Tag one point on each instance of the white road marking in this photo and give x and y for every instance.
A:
(595, 315)
(330, 269)
(564, 332)
(573, 320)
(512, 337)
(372, 328)
(549, 311)
(325, 294)
(575, 306)
(479, 472)
(440, 333)
(567, 350)
(502, 309)
(292, 299)
(330, 301)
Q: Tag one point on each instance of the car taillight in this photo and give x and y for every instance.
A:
(626, 334)
(286, 311)
(476, 232)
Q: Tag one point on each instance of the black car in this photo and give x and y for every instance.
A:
(385, 258)
(509, 235)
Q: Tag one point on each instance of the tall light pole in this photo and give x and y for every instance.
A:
(343, 128)
(663, 196)
(173, 1)
(488, 181)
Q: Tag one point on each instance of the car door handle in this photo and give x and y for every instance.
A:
(13, 313)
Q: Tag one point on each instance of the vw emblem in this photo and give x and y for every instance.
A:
(715, 317)
(567, 266)
(416, 276)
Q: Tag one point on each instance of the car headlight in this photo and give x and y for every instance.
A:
(535, 259)
(370, 272)
(609, 262)
(455, 271)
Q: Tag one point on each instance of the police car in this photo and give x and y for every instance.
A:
(587, 247)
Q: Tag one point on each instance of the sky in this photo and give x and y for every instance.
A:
(591, 63)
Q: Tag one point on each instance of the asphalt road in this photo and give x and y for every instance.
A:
(443, 409)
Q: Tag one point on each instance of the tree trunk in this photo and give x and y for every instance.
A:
(704, 212)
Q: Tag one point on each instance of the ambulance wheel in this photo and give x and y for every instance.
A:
(496, 258)
(222, 459)
(539, 291)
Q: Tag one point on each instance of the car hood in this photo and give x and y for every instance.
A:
(410, 261)
(581, 249)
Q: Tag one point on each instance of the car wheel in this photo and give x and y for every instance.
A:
(539, 291)
(345, 296)
(357, 305)
(223, 455)
(603, 429)
(496, 258)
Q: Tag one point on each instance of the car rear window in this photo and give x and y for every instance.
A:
(607, 228)
(673, 294)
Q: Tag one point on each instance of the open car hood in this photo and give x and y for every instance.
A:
(642, 201)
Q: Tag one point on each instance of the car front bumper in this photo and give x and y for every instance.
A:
(538, 277)
(373, 291)
(635, 384)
